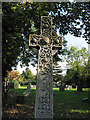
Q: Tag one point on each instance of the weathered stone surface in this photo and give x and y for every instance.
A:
(44, 92)
(44, 89)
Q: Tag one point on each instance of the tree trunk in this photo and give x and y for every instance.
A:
(79, 88)
(80, 84)
(62, 88)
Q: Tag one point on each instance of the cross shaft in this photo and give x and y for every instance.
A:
(44, 89)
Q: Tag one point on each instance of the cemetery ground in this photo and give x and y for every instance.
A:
(67, 105)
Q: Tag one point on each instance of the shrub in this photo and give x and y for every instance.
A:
(16, 84)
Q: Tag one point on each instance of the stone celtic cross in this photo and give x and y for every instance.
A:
(44, 89)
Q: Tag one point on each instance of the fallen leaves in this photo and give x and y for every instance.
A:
(12, 111)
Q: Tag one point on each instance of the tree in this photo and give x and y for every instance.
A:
(77, 76)
(77, 64)
(12, 75)
(57, 79)
(10, 79)
(27, 76)
(21, 19)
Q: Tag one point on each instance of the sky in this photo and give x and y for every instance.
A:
(76, 41)
(71, 41)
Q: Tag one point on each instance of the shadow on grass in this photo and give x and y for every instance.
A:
(13, 110)
(67, 105)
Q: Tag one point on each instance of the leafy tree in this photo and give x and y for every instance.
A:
(27, 76)
(77, 64)
(13, 75)
(76, 57)
(33, 81)
(16, 84)
(21, 19)
(58, 79)
(21, 78)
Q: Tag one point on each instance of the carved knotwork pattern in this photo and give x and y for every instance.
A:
(34, 39)
(46, 26)
(39, 40)
(57, 41)
(45, 71)
(46, 35)
(45, 60)
(44, 91)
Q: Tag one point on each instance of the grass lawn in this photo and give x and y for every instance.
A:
(66, 104)
(69, 105)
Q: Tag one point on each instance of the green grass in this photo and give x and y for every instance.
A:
(66, 104)
(69, 105)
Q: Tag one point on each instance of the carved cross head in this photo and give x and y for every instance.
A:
(45, 38)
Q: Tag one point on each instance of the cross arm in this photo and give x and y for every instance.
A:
(38, 40)
(57, 42)
(33, 40)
